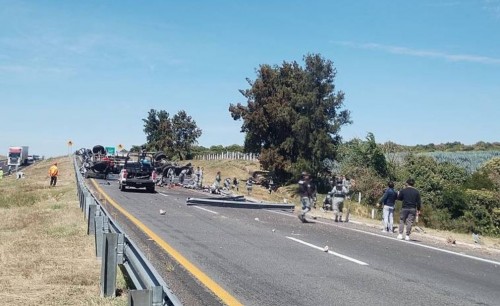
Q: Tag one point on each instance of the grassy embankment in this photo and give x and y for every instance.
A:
(45, 254)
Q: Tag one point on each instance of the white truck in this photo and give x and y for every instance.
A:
(18, 156)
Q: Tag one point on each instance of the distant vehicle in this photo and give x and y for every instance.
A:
(137, 174)
(37, 157)
(18, 156)
(30, 159)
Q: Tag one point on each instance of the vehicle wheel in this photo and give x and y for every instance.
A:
(150, 189)
(122, 187)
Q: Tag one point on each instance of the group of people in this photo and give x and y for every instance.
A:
(410, 209)
(229, 184)
(410, 197)
(334, 199)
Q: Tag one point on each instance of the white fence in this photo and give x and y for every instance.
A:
(228, 155)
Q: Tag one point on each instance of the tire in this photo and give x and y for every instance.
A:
(150, 189)
(122, 187)
(159, 156)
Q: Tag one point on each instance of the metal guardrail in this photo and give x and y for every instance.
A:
(115, 249)
(238, 202)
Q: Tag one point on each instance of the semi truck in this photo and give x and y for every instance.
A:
(18, 156)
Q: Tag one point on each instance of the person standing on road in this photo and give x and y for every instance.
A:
(218, 179)
(249, 185)
(307, 192)
(411, 208)
(236, 184)
(53, 172)
(182, 176)
(339, 193)
(197, 175)
(388, 201)
(200, 181)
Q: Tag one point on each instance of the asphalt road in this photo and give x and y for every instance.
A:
(263, 257)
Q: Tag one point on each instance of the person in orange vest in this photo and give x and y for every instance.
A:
(53, 172)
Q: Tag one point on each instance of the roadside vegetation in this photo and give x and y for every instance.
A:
(453, 198)
(45, 254)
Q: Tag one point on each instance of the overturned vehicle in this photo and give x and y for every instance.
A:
(96, 163)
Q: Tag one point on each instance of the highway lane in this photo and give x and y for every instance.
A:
(268, 258)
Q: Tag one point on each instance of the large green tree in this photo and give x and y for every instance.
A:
(185, 133)
(175, 136)
(293, 115)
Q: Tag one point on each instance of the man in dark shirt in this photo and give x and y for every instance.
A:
(411, 207)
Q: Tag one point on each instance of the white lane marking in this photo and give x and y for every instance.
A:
(359, 262)
(210, 211)
(393, 238)
(165, 195)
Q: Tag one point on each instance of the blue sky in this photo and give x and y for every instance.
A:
(414, 72)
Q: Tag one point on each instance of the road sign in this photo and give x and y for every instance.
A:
(110, 150)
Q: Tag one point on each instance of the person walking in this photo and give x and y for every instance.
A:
(411, 208)
(388, 201)
(307, 192)
(339, 193)
(53, 172)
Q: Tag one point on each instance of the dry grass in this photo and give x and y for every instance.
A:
(45, 254)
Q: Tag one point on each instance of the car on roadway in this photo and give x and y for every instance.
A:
(137, 175)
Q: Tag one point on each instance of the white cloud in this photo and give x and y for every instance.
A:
(422, 53)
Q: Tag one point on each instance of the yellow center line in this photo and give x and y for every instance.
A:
(225, 296)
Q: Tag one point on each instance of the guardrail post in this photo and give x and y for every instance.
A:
(87, 202)
(157, 292)
(153, 297)
(91, 219)
(84, 195)
(140, 297)
(99, 231)
(120, 249)
(109, 265)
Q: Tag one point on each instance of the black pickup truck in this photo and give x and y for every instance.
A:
(137, 175)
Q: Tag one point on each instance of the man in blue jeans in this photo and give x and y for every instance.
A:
(388, 201)
(411, 207)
